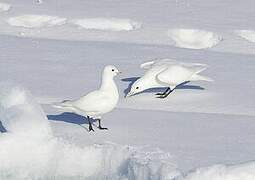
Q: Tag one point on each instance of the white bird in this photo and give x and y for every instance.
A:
(98, 102)
(167, 73)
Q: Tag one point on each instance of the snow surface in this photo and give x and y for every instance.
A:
(31, 151)
(113, 24)
(36, 21)
(199, 125)
(4, 7)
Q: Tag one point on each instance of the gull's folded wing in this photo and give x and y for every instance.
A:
(174, 75)
(196, 67)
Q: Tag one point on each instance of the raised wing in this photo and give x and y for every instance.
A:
(147, 65)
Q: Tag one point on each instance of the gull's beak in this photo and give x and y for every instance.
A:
(129, 94)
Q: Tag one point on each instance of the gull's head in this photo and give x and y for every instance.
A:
(137, 87)
(111, 70)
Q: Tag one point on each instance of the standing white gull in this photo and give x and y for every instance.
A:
(98, 102)
(167, 73)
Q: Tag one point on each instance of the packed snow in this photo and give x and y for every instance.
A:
(194, 38)
(4, 7)
(109, 24)
(249, 35)
(36, 21)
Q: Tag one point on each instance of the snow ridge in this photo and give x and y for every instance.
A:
(110, 24)
(36, 21)
(107, 24)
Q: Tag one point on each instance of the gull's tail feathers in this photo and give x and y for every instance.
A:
(65, 105)
(197, 77)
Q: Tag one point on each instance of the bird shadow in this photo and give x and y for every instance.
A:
(71, 118)
(184, 85)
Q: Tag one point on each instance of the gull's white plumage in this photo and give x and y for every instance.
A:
(167, 73)
(98, 102)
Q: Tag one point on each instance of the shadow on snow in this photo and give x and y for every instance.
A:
(80, 120)
(2, 128)
(71, 118)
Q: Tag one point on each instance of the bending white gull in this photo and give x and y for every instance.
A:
(98, 102)
(167, 73)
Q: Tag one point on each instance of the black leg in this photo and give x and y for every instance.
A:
(99, 125)
(166, 94)
(163, 92)
(90, 125)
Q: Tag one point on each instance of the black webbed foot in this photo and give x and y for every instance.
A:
(160, 94)
(165, 94)
(91, 128)
(100, 127)
(90, 124)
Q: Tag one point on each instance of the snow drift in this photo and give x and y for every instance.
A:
(30, 151)
(249, 35)
(20, 114)
(4, 7)
(194, 38)
(244, 171)
(110, 24)
(35, 21)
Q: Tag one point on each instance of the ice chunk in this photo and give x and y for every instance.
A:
(4, 7)
(194, 38)
(249, 35)
(244, 171)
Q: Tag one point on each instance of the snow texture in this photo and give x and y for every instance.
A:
(36, 21)
(194, 38)
(108, 24)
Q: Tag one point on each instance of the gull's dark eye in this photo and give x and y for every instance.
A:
(112, 70)
(137, 87)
